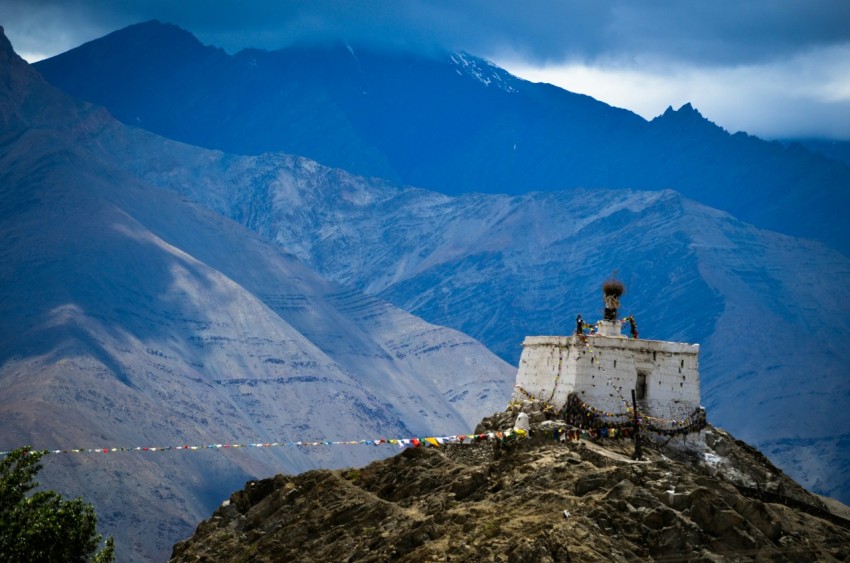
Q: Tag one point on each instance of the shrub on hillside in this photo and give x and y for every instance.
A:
(43, 526)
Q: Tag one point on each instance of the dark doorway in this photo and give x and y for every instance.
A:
(640, 386)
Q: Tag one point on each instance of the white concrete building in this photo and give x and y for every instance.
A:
(601, 369)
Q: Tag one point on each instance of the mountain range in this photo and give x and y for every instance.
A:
(502, 267)
(141, 269)
(443, 121)
(134, 317)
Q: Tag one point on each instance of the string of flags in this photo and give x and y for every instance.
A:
(583, 415)
(427, 442)
(694, 422)
(598, 412)
(546, 405)
(588, 421)
(557, 375)
(584, 329)
(595, 423)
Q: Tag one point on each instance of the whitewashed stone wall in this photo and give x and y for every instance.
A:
(604, 370)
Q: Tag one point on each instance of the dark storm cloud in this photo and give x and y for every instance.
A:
(541, 31)
(770, 67)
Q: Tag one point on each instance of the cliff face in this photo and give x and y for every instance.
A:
(537, 499)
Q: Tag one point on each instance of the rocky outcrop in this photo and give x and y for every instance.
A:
(540, 499)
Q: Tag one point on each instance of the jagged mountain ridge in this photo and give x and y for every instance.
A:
(134, 317)
(764, 307)
(538, 499)
(836, 150)
(449, 122)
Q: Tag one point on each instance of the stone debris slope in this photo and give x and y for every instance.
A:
(536, 499)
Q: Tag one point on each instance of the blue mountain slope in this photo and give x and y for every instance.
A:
(836, 150)
(133, 317)
(449, 122)
(767, 309)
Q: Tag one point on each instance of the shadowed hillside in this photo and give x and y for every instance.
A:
(133, 317)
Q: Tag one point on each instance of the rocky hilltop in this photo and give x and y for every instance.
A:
(541, 498)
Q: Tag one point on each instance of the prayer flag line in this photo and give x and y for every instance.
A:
(431, 441)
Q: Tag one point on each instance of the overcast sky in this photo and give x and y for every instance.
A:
(773, 68)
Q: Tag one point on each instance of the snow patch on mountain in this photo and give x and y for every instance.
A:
(482, 70)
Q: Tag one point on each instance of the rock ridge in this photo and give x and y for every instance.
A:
(544, 498)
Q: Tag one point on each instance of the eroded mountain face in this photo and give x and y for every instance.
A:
(133, 317)
(537, 499)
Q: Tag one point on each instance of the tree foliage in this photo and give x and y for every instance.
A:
(43, 526)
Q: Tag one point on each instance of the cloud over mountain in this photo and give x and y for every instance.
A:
(742, 65)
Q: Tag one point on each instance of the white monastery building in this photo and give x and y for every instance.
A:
(602, 368)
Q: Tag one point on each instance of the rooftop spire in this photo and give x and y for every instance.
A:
(612, 289)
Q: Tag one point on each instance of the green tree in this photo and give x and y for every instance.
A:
(43, 526)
